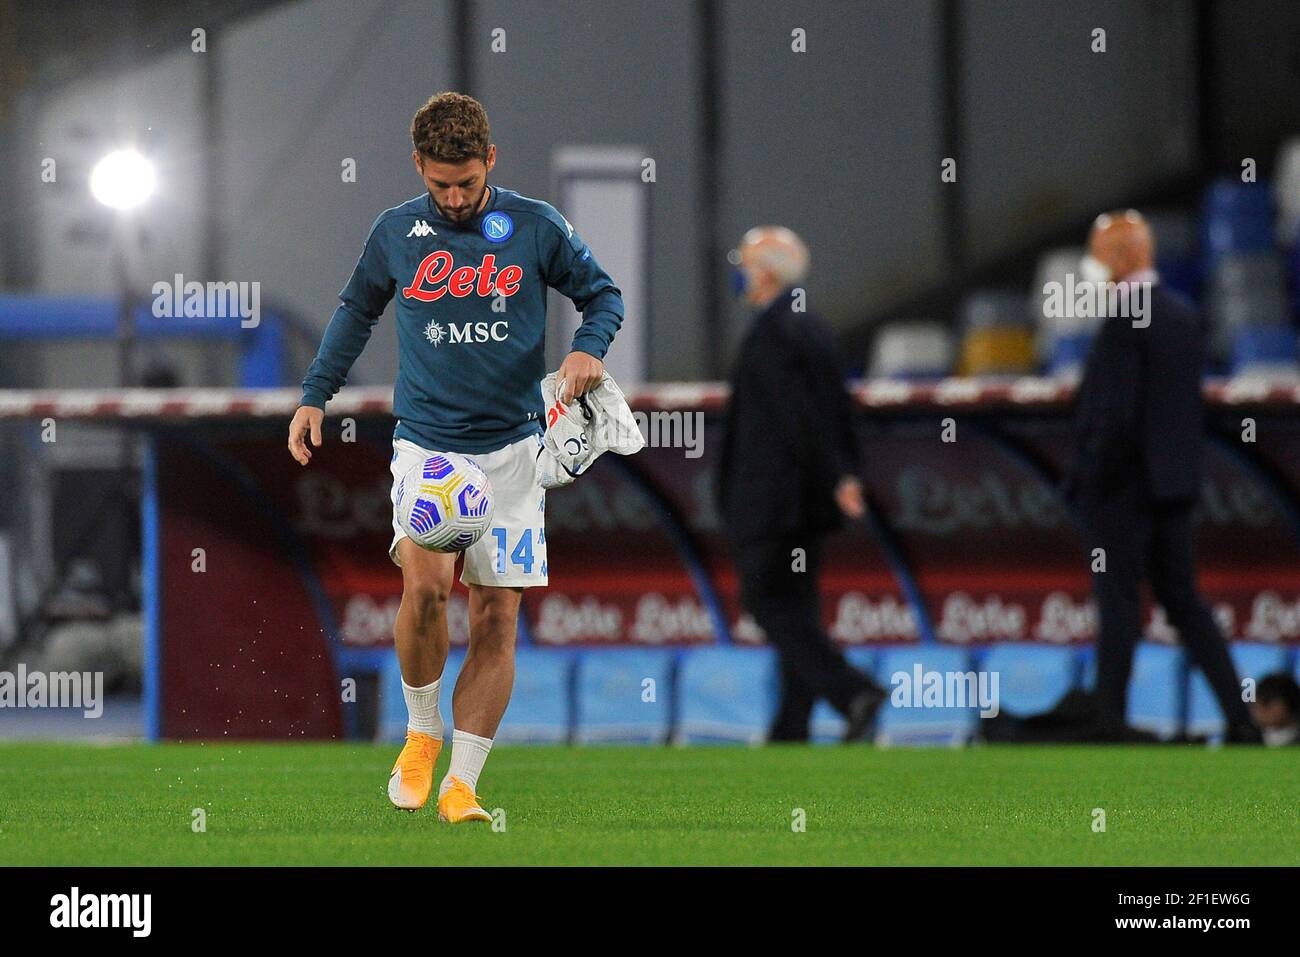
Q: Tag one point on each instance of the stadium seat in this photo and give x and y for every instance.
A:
(612, 700)
(725, 695)
(1005, 351)
(1032, 679)
(827, 723)
(1286, 191)
(1244, 309)
(1157, 690)
(997, 335)
(995, 308)
(540, 709)
(1249, 289)
(1236, 217)
(905, 724)
(1266, 351)
(913, 349)
(1252, 272)
(1231, 313)
(1253, 660)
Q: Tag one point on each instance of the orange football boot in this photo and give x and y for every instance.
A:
(459, 804)
(411, 780)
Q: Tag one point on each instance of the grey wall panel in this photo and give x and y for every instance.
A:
(303, 88)
(1055, 132)
(606, 73)
(840, 143)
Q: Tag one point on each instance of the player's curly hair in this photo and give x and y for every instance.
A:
(451, 128)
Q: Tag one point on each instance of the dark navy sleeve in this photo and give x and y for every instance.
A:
(569, 268)
(362, 301)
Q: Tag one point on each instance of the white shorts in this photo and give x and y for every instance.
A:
(512, 552)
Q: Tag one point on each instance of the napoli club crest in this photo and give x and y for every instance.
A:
(497, 227)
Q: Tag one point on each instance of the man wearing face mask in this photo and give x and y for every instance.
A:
(788, 474)
(1136, 471)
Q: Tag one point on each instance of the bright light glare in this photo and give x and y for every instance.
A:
(123, 180)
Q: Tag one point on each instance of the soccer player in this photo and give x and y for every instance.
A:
(469, 265)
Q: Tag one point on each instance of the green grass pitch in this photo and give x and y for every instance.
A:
(309, 804)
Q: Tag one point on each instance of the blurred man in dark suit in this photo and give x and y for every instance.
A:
(788, 475)
(1136, 473)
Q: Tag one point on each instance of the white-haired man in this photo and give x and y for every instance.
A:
(788, 475)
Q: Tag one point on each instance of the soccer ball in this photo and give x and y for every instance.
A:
(444, 502)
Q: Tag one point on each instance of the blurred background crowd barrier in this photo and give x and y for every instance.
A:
(265, 587)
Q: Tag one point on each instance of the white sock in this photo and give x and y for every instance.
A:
(468, 752)
(422, 709)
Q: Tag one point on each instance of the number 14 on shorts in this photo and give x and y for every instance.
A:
(521, 555)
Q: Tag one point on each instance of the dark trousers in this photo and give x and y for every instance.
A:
(786, 605)
(1154, 541)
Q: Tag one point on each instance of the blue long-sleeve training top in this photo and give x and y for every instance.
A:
(471, 317)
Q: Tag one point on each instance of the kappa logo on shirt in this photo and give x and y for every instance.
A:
(421, 228)
(438, 275)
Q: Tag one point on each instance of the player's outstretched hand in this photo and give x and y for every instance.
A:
(306, 420)
(578, 372)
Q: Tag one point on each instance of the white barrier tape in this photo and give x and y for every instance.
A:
(377, 400)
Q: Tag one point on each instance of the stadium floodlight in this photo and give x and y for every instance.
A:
(123, 180)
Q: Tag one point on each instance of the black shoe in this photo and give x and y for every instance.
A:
(1105, 733)
(1248, 733)
(862, 709)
